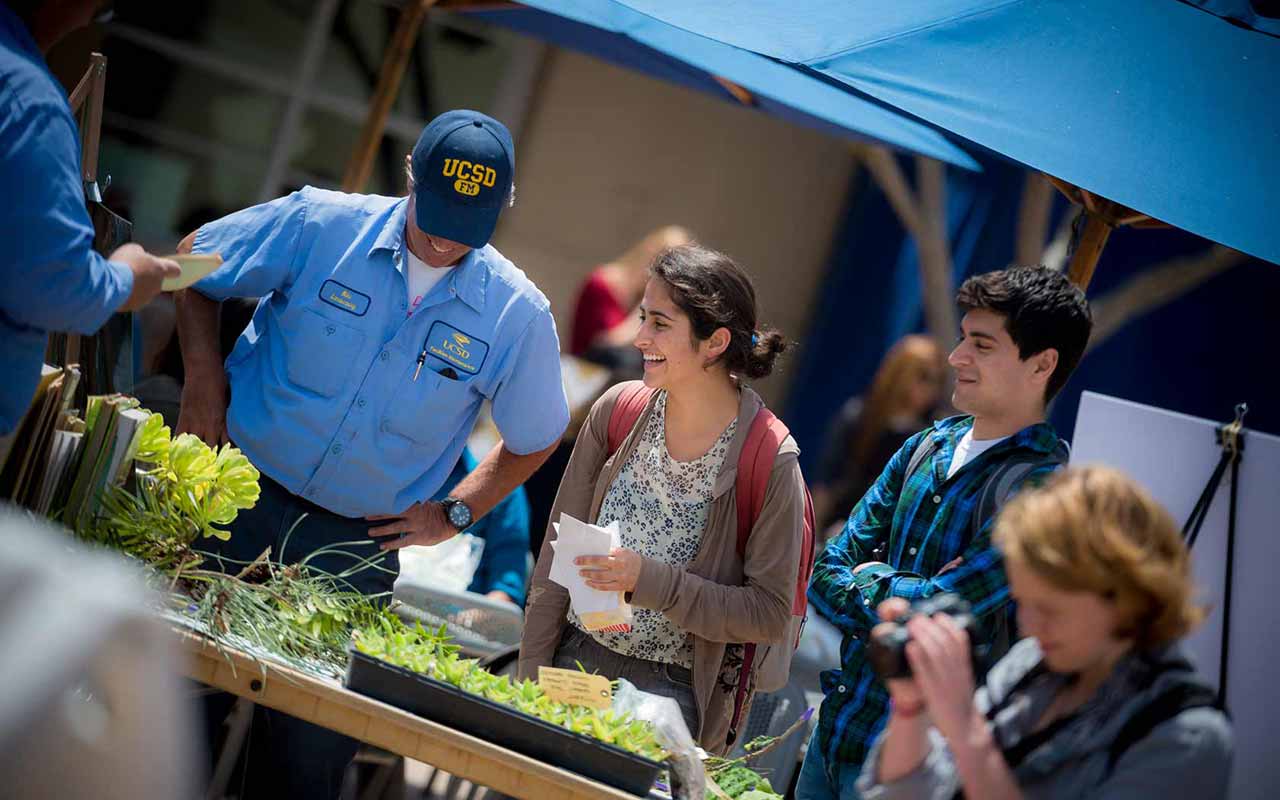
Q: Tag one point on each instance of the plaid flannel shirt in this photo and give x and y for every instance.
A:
(926, 522)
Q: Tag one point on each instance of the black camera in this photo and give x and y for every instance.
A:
(887, 650)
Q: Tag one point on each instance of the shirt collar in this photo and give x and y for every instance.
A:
(469, 278)
(1040, 437)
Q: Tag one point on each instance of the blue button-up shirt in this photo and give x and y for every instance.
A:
(324, 397)
(53, 280)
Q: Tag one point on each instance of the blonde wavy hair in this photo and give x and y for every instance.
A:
(1094, 529)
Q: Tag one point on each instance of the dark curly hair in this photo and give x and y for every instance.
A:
(714, 293)
(1041, 310)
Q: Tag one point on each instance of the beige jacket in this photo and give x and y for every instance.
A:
(719, 598)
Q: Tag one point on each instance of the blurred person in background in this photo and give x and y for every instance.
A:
(669, 486)
(54, 280)
(606, 312)
(94, 704)
(503, 570)
(906, 390)
(1099, 701)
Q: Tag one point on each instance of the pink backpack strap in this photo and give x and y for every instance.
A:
(627, 409)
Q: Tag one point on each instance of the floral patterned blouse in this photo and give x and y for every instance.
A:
(661, 507)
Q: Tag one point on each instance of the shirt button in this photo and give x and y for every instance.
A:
(912, 551)
(841, 689)
(329, 329)
(361, 402)
(937, 498)
(336, 449)
(384, 355)
(866, 601)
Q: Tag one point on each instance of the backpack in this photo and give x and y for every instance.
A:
(770, 666)
(1003, 483)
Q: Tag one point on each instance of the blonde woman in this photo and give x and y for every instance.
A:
(906, 390)
(1099, 701)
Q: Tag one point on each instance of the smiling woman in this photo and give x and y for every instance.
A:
(698, 595)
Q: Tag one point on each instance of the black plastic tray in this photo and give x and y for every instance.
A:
(500, 724)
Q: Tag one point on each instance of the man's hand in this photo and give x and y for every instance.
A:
(940, 663)
(906, 695)
(149, 273)
(616, 572)
(421, 523)
(863, 566)
(500, 596)
(204, 407)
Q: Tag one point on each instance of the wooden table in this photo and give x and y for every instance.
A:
(329, 704)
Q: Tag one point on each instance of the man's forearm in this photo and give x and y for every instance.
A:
(198, 334)
(198, 326)
(496, 476)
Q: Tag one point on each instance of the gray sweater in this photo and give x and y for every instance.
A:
(1186, 756)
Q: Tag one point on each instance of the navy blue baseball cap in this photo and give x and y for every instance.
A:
(463, 166)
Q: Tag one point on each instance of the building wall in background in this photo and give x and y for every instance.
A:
(607, 154)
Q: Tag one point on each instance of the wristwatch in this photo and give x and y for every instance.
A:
(457, 513)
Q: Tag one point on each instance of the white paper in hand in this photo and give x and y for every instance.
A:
(576, 538)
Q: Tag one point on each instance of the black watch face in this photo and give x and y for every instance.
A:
(459, 515)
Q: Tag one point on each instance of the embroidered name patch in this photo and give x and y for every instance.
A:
(345, 298)
(455, 348)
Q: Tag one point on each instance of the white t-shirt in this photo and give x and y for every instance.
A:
(968, 449)
(422, 278)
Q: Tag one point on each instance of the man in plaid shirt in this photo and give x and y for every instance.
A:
(924, 527)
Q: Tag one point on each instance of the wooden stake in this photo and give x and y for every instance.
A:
(384, 96)
(1033, 219)
(91, 126)
(1092, 240)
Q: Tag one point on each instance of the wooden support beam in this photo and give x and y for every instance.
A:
(384, 96)
(1033, 219)
(891, 180)
(1093, 238)
(933, 249)
(739, 93)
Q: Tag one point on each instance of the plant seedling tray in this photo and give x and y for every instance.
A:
(500, 724)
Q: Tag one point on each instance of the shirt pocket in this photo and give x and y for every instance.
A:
(429, 410)
(321, 352)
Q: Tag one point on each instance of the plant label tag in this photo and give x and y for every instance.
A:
(575, 687)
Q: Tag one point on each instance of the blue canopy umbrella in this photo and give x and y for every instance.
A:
(1164, 107)
(613, 32)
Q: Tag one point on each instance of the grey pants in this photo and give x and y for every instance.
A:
(655, 677)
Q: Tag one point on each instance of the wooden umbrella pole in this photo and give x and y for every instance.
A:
(384, 96)
(1092, 240)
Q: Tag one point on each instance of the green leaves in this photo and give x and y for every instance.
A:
(741, 783)
(431, 653)
(188, 492)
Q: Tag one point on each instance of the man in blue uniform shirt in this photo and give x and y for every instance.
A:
(384, 323)
(53, 279)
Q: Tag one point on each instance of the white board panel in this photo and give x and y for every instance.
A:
(1173, 455)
